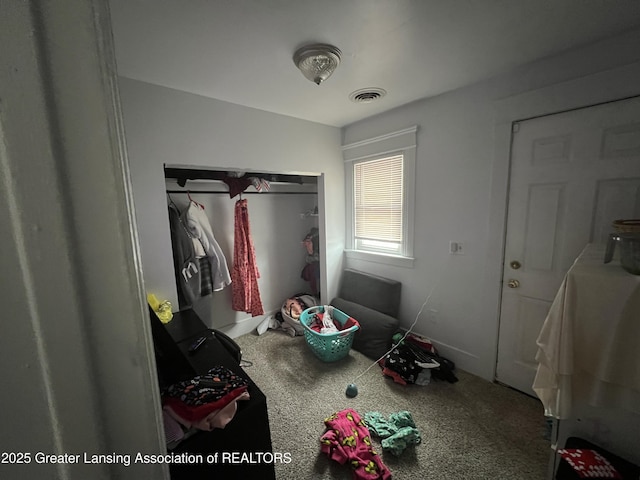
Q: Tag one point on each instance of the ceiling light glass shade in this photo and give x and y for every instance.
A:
(317, 62)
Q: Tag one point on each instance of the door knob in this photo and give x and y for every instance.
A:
(513, 283)
(515, 264)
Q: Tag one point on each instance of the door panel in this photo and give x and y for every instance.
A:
(544, 214)
(621, 141)
(571, 175)
(551, 150)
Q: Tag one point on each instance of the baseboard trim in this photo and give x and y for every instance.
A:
(464, 360)
(245, 325)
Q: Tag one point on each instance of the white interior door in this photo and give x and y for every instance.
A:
(572, 174)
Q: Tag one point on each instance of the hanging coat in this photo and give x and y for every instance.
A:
(199, 226)
(185, 263)
(244, 274)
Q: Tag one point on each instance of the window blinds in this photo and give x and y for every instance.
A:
(378, 192)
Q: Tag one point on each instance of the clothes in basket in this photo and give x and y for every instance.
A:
(329, 346)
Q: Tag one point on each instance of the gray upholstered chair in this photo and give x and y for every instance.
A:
(374, 302)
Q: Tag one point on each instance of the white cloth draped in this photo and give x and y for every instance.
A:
(589, 345)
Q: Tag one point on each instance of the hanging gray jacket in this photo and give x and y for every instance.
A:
(186, 264)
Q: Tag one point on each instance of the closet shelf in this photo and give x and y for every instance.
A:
(213, 192)
(181, 175)
(309, 213)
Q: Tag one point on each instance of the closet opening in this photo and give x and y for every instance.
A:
(284, 212)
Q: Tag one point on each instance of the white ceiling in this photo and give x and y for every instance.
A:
(241, 51)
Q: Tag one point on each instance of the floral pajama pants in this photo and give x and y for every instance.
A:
(244, 275)
(348, 440)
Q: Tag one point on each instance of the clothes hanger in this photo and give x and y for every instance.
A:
(192, 200)
(171, 202)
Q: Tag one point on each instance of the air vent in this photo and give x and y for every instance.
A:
(367, 95)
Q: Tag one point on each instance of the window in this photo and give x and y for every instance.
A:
(377, 188)
(380, 176)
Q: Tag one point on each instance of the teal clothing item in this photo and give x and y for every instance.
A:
(402, 419)
(400, 440)
(397, 433)
(378, 425)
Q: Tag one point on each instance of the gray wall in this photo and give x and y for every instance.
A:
(165, 126)
(461, 181)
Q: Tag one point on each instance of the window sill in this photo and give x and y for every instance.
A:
(396, 260)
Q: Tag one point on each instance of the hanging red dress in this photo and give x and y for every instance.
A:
(244, 274)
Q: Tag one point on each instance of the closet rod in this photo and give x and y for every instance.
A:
(194, 192)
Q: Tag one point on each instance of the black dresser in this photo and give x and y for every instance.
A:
(242, 444)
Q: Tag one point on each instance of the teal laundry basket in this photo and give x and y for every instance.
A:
(328, 347)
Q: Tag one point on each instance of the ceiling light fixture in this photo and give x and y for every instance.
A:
(317, 61)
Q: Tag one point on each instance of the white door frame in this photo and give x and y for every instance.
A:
(77, 345)
(602, 87)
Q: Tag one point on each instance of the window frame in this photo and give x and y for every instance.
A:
(403, 143)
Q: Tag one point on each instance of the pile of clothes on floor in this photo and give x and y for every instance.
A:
(204, 402)
(415, 360)
(348, 439)
(288, 318)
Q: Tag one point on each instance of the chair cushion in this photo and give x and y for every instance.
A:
(376, 328)
(378, 293)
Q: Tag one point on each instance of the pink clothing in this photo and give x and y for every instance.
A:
(172, 430)
(216, 419)
(244, 275)
(348, 439)
(193, 413)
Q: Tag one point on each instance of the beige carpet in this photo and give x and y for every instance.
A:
(472, 429)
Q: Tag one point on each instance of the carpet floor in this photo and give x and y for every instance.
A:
(472, 429)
